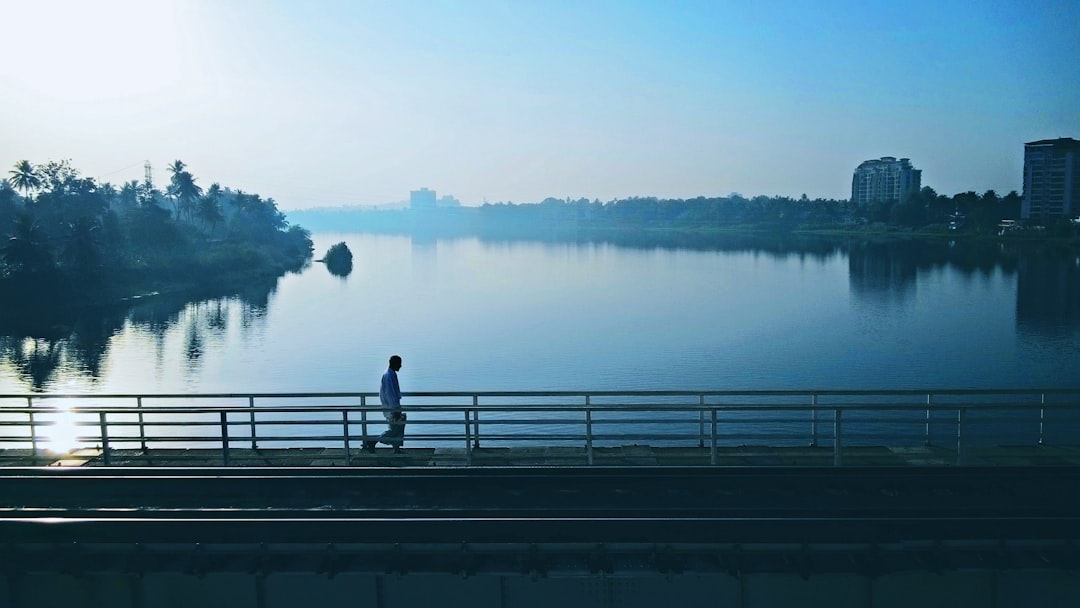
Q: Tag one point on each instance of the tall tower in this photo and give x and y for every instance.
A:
(422, 200)
(884, 180)
(1051, 179)
(149, 175)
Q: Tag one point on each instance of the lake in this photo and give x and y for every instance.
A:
(471, 314)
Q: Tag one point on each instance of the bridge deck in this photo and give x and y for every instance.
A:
(632, 455)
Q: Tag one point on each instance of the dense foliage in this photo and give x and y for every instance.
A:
(64, 236)
(339, 259)
(925, 213)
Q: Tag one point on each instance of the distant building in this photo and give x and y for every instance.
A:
(1051, 179)
(884, 180)
(422, 199)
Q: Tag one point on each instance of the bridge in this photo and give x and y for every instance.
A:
(851, 498)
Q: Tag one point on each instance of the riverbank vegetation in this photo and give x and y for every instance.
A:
(339, 259)
(926, 213)
(69, 239)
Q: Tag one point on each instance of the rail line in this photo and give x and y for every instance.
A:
(539, 505)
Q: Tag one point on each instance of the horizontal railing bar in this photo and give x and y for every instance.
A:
(149, 410)
(949, 419)
(563, 393)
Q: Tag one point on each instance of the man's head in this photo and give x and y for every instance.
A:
(395, 363)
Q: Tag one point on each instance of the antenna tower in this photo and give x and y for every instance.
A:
(149, 175)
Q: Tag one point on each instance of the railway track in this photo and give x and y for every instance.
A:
(697, 505)
(537, 522)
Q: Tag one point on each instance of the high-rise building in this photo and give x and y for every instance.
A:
(1051, 179)
(884, 180)
(422, 199)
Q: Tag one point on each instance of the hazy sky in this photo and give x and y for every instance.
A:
(325, 103)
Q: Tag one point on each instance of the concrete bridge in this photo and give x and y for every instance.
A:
(522, 499)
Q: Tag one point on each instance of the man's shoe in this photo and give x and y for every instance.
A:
(369, 447)
(399, 450)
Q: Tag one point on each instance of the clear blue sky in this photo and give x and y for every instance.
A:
(326, 103)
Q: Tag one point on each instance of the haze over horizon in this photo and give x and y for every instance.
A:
(354, 103)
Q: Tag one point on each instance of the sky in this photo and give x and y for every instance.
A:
(328, 103)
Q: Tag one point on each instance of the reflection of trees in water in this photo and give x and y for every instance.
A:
(888, 269)
(772, 245)
(39, 344)
(1048, 290)
(34, 359)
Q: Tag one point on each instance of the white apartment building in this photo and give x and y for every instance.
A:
(884, 180)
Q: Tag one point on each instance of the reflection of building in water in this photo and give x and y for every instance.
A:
(884, 180)
(1051, 179)
(422, 200)
(881, 272)
(1048, 291)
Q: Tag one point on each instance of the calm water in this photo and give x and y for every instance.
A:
(469, 314)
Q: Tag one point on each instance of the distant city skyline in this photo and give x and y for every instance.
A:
(337, 102)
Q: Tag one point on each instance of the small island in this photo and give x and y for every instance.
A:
(68, 240)
(338, 259)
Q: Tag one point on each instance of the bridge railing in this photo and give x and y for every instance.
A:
(830, 420)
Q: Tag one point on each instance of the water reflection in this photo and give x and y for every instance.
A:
(1048, 291)
(43, 348)
(882, 271)
(62, 433)
(888, 271)
(41, 351)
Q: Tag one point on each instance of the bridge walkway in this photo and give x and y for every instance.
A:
(531, 456)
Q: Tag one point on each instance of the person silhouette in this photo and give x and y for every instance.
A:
(390, 398)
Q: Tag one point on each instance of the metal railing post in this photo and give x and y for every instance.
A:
(33, 427)
(588, 432)
(1042, 416)
(142, 427)
(106, 452)
(701, 422)
(363, 417)
(468, 439)
(813, 420)
(961, 422)
(476, 421)
(251, 404)
(929, 402)
(713, 455)
(345, 425)
(837, 437)
(224, 438)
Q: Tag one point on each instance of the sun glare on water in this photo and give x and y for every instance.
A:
(61, 436)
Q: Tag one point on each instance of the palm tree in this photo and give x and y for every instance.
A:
(173, 189)
(187, 192)
(129, 194)
(27, 251)
(25, 177)
(209, 210)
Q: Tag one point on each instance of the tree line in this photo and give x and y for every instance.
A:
(924, 212)
(64, 235)
(926, 209)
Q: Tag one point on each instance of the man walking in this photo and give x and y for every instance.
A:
(390, 397)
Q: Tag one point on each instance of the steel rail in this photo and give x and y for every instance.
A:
(953, 418)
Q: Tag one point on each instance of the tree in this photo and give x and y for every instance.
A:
(1010, 206)
(209, 210)
(173, 189)
(186, 192)
(129, 194)
(8, 207)
(27, 252)
(25, 177)
(81, 252)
